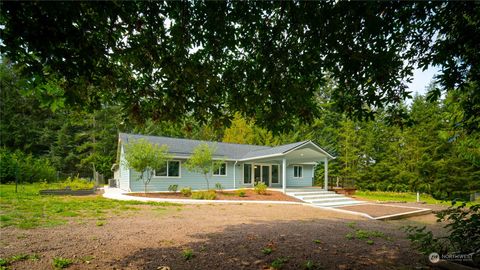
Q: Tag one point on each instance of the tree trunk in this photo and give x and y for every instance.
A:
(206, 179)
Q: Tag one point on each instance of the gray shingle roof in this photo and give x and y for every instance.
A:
(184, 147)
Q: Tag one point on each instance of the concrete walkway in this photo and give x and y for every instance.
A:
(118, 194)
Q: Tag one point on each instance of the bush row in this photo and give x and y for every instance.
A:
(24, 167)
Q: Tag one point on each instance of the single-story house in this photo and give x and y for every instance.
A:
(284, 166)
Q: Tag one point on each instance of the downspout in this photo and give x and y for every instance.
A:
(234, 178)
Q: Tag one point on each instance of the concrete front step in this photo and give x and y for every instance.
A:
(304, 193)
(339, 203)
(329, 200)
(290, 190)
(321, 196)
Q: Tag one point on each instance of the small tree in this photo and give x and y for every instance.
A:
(202, 162)
(144, 157)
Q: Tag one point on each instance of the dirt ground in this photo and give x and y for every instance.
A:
(221, 236)
(250, 195)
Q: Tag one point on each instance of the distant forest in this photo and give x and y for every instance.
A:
(427, 151)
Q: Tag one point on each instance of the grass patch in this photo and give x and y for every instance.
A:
(60, 263)
(397, 196)
(187, 254)
(364, 234)
(100, 223)
(278, 263)
(267, 251)
(5, 262)
(310, 265)
(27, 209)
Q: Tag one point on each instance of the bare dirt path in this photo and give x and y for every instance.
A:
(220, 236)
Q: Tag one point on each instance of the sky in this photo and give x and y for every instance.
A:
(421, 79)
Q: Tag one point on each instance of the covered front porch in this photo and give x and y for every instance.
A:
(291, 167)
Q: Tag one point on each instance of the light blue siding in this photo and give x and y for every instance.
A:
(187, 179)
(128, 179)
(124, 178)
(304, 181)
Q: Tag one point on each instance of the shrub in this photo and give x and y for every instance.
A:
(204, 195)
(25, 168)
(241, 192)
(463, 225)
(60, 263)
(77, 183)
(218, 187)
(261, 188)
(186, 191)
(173, 188)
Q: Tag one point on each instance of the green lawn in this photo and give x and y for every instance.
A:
(27, 209)
(397, 196)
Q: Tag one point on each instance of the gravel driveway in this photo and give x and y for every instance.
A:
(233, 236)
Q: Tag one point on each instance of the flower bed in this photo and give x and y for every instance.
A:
(250, 195)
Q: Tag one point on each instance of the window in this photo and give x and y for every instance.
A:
(172, 169)
(247, 173)
(222, 170)
(297, 171)
(161, 171)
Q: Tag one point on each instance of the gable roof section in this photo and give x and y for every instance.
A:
(277, 150)
(184, 147)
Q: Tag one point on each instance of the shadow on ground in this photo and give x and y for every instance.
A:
(294, 243)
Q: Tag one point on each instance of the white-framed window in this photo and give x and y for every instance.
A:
(221, 170)
(297, 171)
(171, 169)
(247, 173)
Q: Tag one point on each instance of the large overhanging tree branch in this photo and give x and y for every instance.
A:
(264, 59)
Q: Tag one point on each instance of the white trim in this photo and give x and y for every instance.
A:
(179, 171)
(325, 172)
(260, 157)
(290, 150)
(301, 175)
(226, 171)
(284, 175)
(314, 144)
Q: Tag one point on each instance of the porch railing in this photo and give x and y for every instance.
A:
(340, 182)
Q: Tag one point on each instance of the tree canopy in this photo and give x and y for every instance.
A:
(202, 161)
(145, 158)
(266, 60)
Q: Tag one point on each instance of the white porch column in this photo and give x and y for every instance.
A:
(284, 175)
(326, 173)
